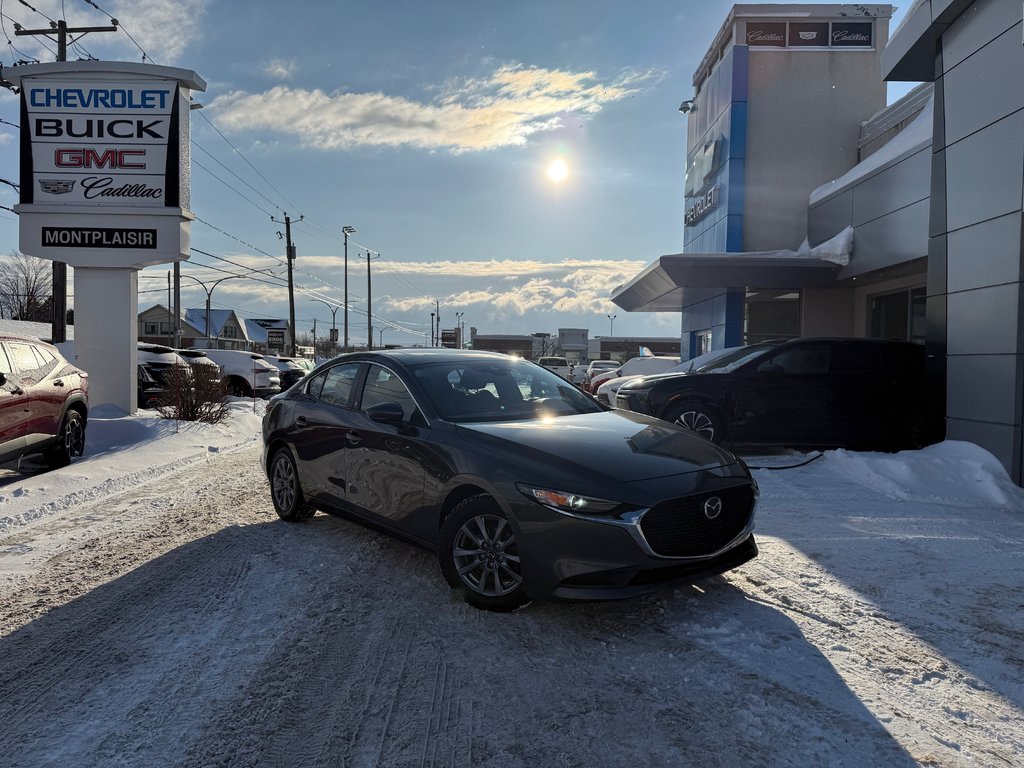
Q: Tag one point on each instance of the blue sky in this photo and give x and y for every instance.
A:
(430, 127)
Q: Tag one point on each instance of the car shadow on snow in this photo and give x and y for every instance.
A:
(329, 644)
(947, 574)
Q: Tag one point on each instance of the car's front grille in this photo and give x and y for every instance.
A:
(682, 528)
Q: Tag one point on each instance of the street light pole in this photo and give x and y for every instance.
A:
(346, 231)
(611, 324)
(334, 327)
(369, 300)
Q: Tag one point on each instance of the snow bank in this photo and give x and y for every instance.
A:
(955, 473)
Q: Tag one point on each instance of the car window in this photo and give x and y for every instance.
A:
(337, 385)
(494, 390)
(800, 360)
(24, 361)
(44, 358)
(384, 386)
(5, 364)
(316, 384)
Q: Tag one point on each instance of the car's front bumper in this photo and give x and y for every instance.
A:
(582, 559)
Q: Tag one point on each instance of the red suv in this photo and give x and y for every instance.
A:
(44, 402)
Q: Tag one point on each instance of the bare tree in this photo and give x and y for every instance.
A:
(26, 287)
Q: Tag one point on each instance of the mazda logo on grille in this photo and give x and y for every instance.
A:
(712, 508)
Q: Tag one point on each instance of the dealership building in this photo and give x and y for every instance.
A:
(814, 209)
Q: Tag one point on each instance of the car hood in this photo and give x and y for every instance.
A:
(618, 445)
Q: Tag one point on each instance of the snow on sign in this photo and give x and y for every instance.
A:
(100, 143)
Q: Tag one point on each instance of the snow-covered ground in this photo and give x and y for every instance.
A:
(153, 611)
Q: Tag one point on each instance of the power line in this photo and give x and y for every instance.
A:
(228, 234)
(115, 23)
(250, 186)
(246, 160)
(233, 189)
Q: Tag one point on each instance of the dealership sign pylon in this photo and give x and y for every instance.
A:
(105, 188)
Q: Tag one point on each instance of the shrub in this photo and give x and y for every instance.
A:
(194, 393)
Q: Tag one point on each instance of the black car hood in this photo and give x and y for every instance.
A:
(620, 445)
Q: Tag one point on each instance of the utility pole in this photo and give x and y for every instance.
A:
(290, 252)
(432, 329)
(59, 323)
(437, 303)
(314, 339)
(177, 305)
(369, 301)
(346, 231)
(170, 324)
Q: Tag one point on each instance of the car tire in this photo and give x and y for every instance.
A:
(239, 387)
(285, 491)
(698, 417)
(70, 441)
(479, 556)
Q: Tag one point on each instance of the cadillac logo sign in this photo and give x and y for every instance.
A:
(712, 508)
(56, 186)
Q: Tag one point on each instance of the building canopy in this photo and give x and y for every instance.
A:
(672, 282)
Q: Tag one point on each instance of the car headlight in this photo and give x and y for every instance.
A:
(572, 503)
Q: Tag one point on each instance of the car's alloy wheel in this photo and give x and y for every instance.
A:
(480, 556)
(698, 418)
(70, 441)
(285, 490)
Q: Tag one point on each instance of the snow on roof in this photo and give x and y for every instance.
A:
(256, 329)
(218, 319)
(914, 137)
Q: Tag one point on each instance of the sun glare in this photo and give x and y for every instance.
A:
(558, 171)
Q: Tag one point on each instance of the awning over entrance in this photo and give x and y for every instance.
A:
(674, 281)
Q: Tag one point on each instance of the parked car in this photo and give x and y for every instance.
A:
(523, 485)
(150, 391)
(157, 359)
(288, 368)
(595, 367)
(856, 393)
(607, 390)
(643, 365)
(558, 365)
(247, 374)
(196, 357)
(44, 402)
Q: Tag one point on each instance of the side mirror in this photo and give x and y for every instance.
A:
(3, 379)
(386, 413)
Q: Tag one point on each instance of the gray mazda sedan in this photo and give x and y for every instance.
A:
(524, 486)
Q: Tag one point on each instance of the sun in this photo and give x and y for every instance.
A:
(558, 171)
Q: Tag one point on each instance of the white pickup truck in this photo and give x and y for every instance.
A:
(558, 365)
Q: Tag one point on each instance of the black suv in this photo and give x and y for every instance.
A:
(857, 393)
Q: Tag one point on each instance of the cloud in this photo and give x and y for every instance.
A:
(502, 110)
(281, 69)
(162, 28)
(570, 286)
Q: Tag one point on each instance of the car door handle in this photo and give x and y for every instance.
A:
(17, 391)
(58, 383)
(302, 421)
(353, 438)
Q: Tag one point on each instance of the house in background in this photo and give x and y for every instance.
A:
(155, 327)
(227, 330)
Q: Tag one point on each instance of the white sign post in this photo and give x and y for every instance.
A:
(105, 188)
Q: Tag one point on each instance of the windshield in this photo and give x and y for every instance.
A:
(496, 390)
(734, 360)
